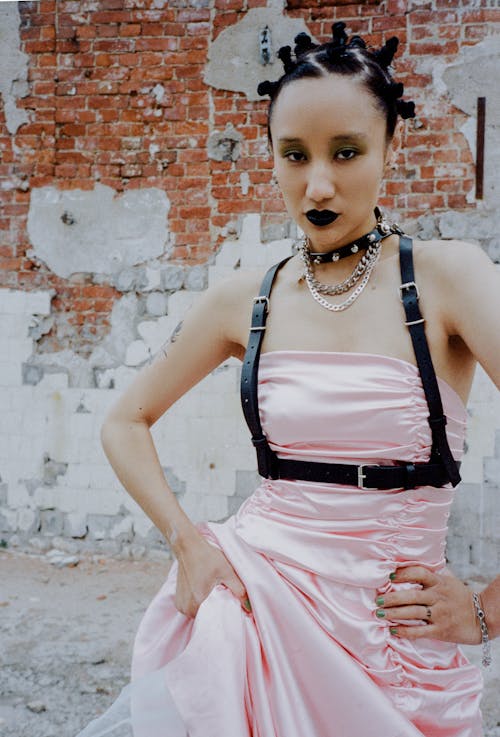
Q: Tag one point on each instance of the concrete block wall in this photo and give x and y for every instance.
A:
(134, 170)
(56, 482)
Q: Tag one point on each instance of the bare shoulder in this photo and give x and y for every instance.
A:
(229, 301)
(237, 290)
(450, 257)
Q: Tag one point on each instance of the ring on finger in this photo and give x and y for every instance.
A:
(428, 613)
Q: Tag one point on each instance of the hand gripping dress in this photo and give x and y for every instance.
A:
(312, 659)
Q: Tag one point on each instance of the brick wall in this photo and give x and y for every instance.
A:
(117, 98)
(116, 95)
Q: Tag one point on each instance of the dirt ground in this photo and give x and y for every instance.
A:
(66, 636)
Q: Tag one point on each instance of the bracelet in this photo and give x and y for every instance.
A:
(485, 640)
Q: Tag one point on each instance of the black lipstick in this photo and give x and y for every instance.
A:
(321, 217)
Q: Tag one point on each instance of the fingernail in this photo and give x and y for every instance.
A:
(393, 630)
(380, 613)
(248, 606)
(392, 576)
(380, 601)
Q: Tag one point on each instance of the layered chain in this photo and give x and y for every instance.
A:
(331, 289)
(371, 260)
(372, 242)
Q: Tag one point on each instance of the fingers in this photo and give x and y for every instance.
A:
(414, 574)
(237, 588)
(406, 597)
(415, 632)
(417, 611)
(410, 603)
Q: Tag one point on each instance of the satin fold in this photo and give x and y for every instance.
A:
(312, 659)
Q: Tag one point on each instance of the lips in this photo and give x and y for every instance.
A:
(321, 217)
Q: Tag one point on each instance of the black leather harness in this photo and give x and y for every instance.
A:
(441, 468)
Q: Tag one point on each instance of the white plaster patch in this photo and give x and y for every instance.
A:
(153, 149)
(158, 92)
(97, 231)
(475, 74)
(234, 57)
(14, 66)
(244, 182)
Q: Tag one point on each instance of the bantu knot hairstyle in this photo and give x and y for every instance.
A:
(344, 56)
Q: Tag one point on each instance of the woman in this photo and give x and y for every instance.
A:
(322, 608)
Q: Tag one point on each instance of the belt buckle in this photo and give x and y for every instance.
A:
(262, 299)
(408, 285)
(362, 476)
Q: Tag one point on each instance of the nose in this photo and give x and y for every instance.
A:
(320, 183)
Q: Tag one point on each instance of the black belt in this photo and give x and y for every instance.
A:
(404, 476)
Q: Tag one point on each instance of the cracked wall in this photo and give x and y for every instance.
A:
(125, 193)
(55, 479)
(473, 74)
(96, 231)
(14, 65)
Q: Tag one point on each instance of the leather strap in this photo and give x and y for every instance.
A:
(406, 476)
(266, 458)
(441, 468)
(440, 451)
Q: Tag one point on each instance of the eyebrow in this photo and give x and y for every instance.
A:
(335, 139)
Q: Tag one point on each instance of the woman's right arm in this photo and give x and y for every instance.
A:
(207, 336)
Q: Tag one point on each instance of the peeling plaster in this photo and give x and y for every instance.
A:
(225, 145)
(97, 231)
(14, 66)
(475, 74)
(233, 60)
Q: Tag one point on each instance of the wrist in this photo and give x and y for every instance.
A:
(181, 537)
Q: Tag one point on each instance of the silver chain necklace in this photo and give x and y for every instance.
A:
(347, 283)
(361, 272)
(354, 295)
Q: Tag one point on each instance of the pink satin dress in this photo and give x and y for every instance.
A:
(312, 659)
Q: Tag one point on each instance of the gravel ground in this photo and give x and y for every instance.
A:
(66, 636)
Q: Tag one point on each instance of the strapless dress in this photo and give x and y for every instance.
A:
(312, 659)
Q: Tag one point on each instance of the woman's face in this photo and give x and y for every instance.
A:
(330, 150)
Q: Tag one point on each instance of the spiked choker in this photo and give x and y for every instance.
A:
(382, 230)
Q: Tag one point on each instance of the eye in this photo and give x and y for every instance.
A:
(294, 156)
(346, 154)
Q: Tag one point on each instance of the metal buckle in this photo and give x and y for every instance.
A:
(362, 476)
(407, 285)
(264, 299)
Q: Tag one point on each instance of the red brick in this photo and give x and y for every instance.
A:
(104, 60)
(476, 33)
(130, 29)
(194, 15)
(110, 30)
(114, 46)
(47, 60)
(86, 31)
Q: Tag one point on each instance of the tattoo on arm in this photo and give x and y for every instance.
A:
(176, 332)
(172, 339)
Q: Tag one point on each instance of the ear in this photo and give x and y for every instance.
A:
(394, 146)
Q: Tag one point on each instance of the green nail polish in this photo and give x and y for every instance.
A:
(380, 601)
(380, 613)
(392, 576)
(393, 630)
(248, 605)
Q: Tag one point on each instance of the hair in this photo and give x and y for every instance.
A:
(346, 58)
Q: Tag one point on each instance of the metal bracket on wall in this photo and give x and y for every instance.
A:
(481, 124)
(265, 49)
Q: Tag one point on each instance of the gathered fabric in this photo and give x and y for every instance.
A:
(312, 658)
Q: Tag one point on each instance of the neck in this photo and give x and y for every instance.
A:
(381, 230)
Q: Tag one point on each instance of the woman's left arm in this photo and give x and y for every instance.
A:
(469, 283)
